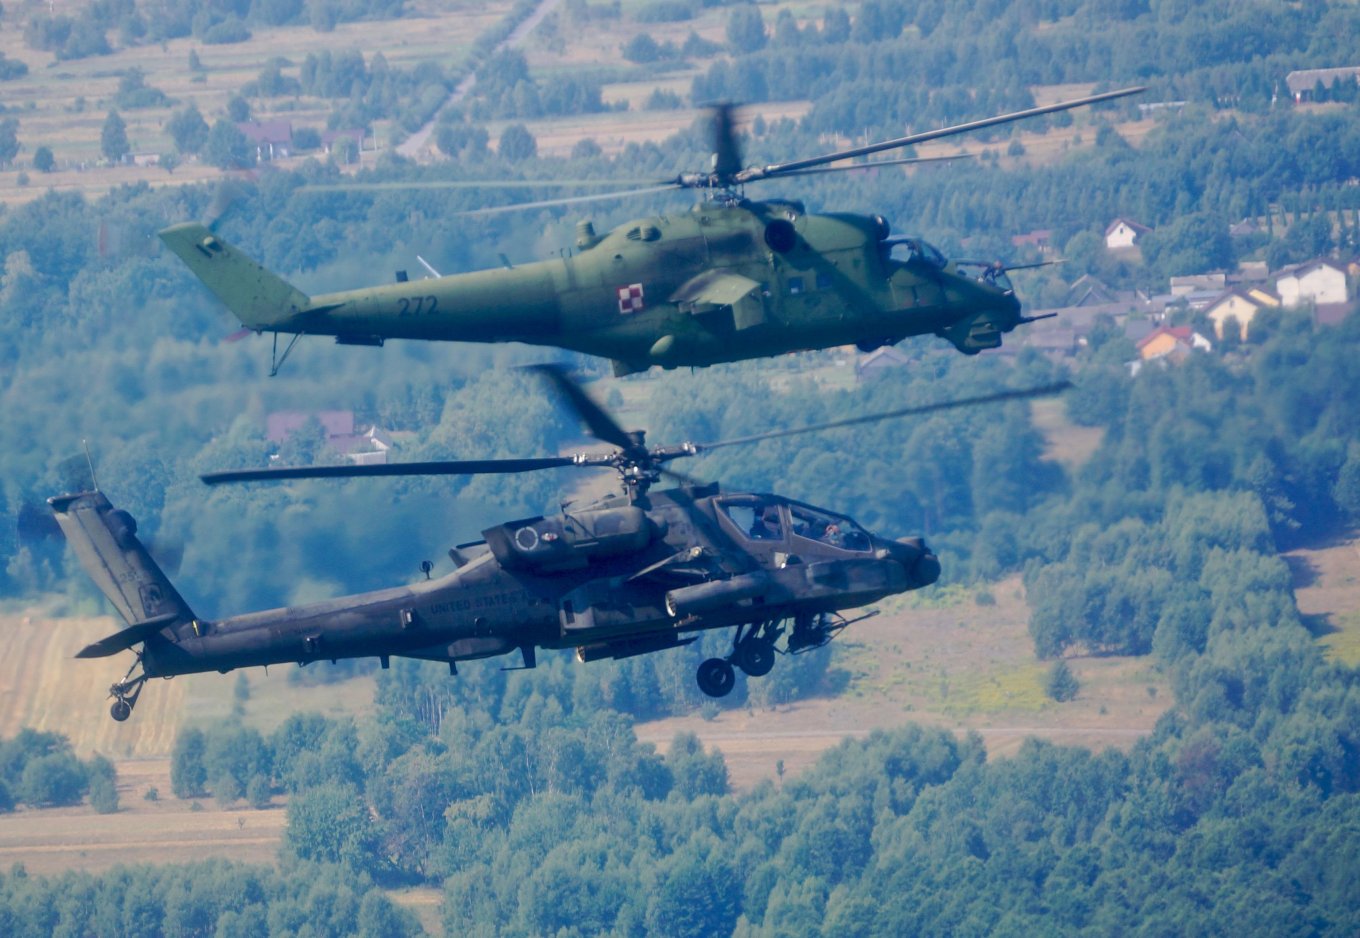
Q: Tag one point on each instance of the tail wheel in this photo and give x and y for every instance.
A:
(716, 677)
(754, 656)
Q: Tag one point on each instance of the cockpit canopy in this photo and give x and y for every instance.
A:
(914, 251)
(771, 518)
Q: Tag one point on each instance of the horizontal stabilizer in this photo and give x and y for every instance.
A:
(125, 639)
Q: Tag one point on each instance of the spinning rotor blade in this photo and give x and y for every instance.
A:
(783, 169)
(228, 193)
(726, 150)
(571, 200)
(476, 184)
(601, 425)
(905, 161)
(1008, 267)
(449, 467)
(1042, 391)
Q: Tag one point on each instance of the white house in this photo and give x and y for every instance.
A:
(1318, 281)
(1123, 233)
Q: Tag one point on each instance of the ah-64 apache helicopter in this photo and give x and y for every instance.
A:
(731, 279)
(631, 574)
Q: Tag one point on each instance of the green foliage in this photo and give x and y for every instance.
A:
(188, 771)
(9, 140)
(133, 92)
(56, 779)
(1191, 244)
(228, 148)
(188, 129)
(227, 32)
(505, 89)
(238, 109)
(1061, 684)
(43, 160)
(113, 139)
(103, 785)
(66, 37)
(745, 29)
(330, 823)
(643, 49)
(517, 144)
(11, 69)
(696, 773)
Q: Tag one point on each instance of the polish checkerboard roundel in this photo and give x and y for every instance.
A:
(630, 299)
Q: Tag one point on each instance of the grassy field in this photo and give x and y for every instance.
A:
(1327, 586)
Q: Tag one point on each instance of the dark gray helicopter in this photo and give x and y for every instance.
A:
(631, 574)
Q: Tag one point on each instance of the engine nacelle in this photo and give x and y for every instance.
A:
(570, 542)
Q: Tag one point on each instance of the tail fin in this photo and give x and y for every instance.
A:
(105, 541)
(259, 298)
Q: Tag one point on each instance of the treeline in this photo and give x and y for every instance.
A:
(894, 65)
(207, 898)
(39, 770)
(213, 23)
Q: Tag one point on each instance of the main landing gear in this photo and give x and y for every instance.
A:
(753, 649)
(126, 692)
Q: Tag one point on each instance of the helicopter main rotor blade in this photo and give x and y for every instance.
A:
(601, 425)
(780, 169)
(475, 184)
(1041, 391)
(905, 161)
(726, 150)
(446, 467)
(571, 200)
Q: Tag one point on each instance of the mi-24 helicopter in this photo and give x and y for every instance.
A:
(731, 279)
(634, 573)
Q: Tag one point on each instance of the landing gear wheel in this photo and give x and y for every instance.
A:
(120, 710)
(716, 677)
(754, 657)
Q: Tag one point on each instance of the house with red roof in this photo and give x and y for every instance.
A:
(1173, 343)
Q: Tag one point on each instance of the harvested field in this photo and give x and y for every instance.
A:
(950, 662)
(44, 687)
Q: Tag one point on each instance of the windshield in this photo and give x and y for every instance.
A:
(756, 518)
(993, 274)
(914, 250)
(836, 530)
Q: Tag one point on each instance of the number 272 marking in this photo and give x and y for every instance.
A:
(416, 305)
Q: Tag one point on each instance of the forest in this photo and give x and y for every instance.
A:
(529, 801)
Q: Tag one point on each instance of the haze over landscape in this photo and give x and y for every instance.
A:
(1131, 703)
